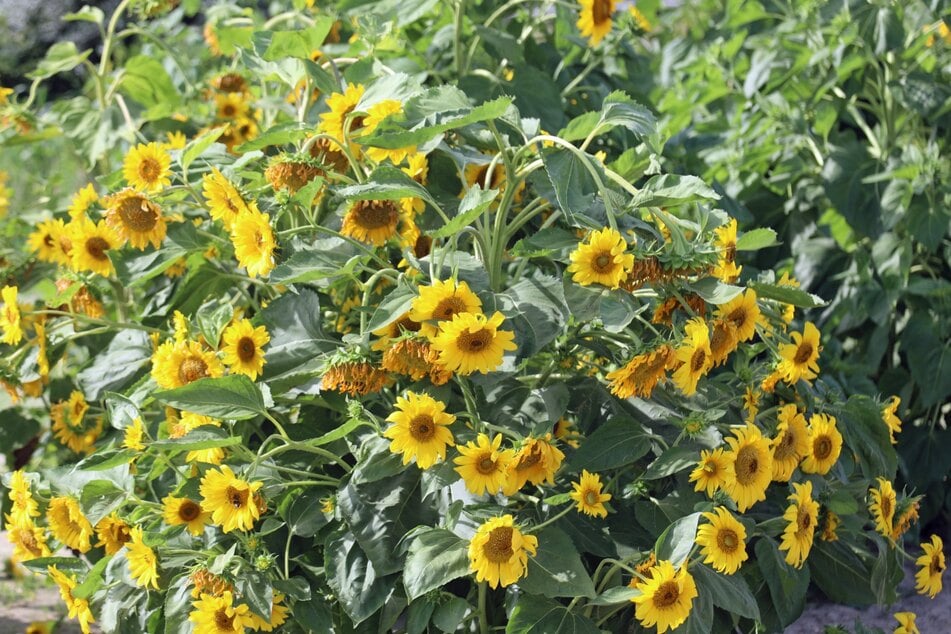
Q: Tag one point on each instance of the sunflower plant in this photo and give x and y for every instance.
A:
(348, 328)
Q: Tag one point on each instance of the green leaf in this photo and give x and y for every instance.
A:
(535, 308)
(92, 581)
(277, 45)
(16, 431)
(841, 575)
(122, 410)
(255, 590)
(358, 587)
(575, 188)
(787, 295)
(617, 109)
(556, 570)
(471, 207)
(435, 558)
(146, 81)
(178, 605)
(534, 615)
(86, 14)
(450, 612)
(386, 183)
(281, 134)
(198, 145)
(887, 573)
(68, 564)
(99, 498)
(866, 434)
(929, 359)
(233, 397)
(670, 462)
(671, 190)
(212, 318)
(787, 585)
(616, 595)
(756, 239)
(392, 308)
(328, 258)
(305, 515)
(60, 57)
(618, 442)
(676, 542)
(115, 367)
(205, 437)
(294, 323)
(730, 592)
(713, 291)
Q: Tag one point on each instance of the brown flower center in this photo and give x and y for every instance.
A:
(666, 595)
(747, 465)
(803, 519)
(422, 428)
(601, 11)
(886, 506)
(697, 360)
(936, 567)
(486, 465)
(498, 549)
(97, 247)
(591, 498)
(786, 447)
(246, 349)
(739, 317)
(237, 499)
(138, 214)
(223, 622)
(376, 214)
(803, 353)
(28, 541)
(149, 169)
(727, 540)
(188, 511)
(448, 307)
(529, 460)
(192, 369)
(822, 447)
(474, 342)
(603, 262)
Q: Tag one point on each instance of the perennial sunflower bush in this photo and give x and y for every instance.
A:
(378, 318)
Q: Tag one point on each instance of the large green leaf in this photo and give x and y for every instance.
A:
(535, 308)
(534, 615)
(435, 557)
(670, 190)
(787, 585)
(386, 183)
(146, 81)
(61, 57)
(575, 187)
(99, 498)
(113, 368)
(929, 359)
(676, 542)
(787, 295)
(839, 572)
(618, 442)
(471, 207)
(358, 587)
(233, 397)
(297, 337)
(730, 592)
(556, 570)
(864, 431)
(204, 437)
(278, 45)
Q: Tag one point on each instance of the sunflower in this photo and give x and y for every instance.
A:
(483, 465)
(146, 168)
(601, 259)
(800, 358)
(694, 355)
(931, 563)
(743, 312)
(44, 242)
(749, 467)
(375, 116)
(180, 427)
(726, 268)
(906, 514)
(440, 302)
(825, 444)
(243, 348)
(279, 613)
(175, 364)
(330, 155)
(710, 472)
(830, 527)
(206, 582)
(10, 317)
(723, 341)
(71, 426)
(218, 615)
(802, 515)
(341, 106)
(28, 539)
(891, 419)
(751, 399)
(24, 506)
(536, 461)
(882, 506)
(641, 374)
(791, 443)
(132, 438)
(587, 494)
(232, 105)
(229, 499)
(394, 330)
(906, 623)
(594, 21)
(77, 608)
(372, 221)
(135, 218)
(291, 173)
(420, 429)
(498, 552)
(91, 243)
(356, 378)
(723, 541)
(143, 564)
(224, 200)
(113, 533)
(68, 524)
(473, 342)
(184, 511)
(666, 598)
(565, 431)
(254, 241)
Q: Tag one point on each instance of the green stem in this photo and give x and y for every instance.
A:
(551, 520)
(483, 616)
(98, 322)
(458, 20)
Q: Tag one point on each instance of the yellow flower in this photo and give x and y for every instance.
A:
(536, 461)
(229, 499)
(566, 432)
(82, 201)
(146, 168)
(224, 201)
(472, 342)
(356, 378)
(882, 506)
(232, 105)
(341, 106)
(931, 563)
(587, 493)
(830, 526)
(420, 429)
(183, 511)
(749, 467)
(375, 116)
(77, 608)
(279, 613)
(218, 615)
(601, 259)
(498, 552)
(243, 348)
(483, 465)
(175, 140)
(254, 241)
(906, 623)
(891, 419)
(666, 598)
(694, 355)
(190, 421)
(723, 341)
(594, 21)
(10, 317)
(905, 515)
(791, 443)
(72, 427)
(802, 515)
(68, 524)
(178, 364)
(24, 506)
(113, 533)
(45, 241)
(28, 539)
(133, 435)
(710, 472)
(135, 218)
(91, 243)
(726, 268)
(641, 374)
(825, 444)
(751, 404)
(440, 302)
(743, 312)
(800, 358)
(722, 541)
(143, 564)
(372, 221)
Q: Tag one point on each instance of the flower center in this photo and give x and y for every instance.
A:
(603, 262)
(474, 341)
(887, 509)
(528, 461)
(936, 567)
(121, 534)
(747, 465)
(422, 428)
(149, 170)
(666, 595)
(697, 360)
(803, 353)
(486, 465)
(97, 247)
(601, 11)
(448, 307)
(138, 214)
(237, 499)
(803, 520)
(246, 349)
(28, 541)
(738, 317)
(785, 448)
(591, 498)
(727, 540)
(822, 447)
(376, 214)
(188, 511)
(498, 549)
(224, 622)
(192, 369)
